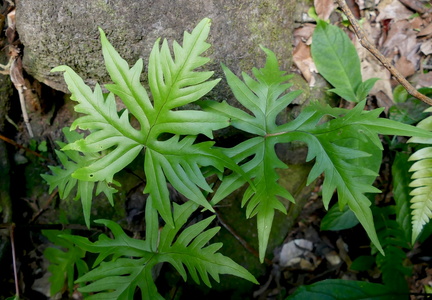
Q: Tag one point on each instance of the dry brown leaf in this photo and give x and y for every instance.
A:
(303, 34)
(402, 41)
(392, 9)
(303, 60)
(405, 67)
(324, 8)
(417, 23)
(420, 80)
(415, 5)
(11, 30)
(426, 47)
(16, 73)
(426, 31)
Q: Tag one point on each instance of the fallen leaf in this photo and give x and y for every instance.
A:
(303, 60)
(426, 31)
(426, 47)
(405, 66)
(392, 9)
(372, 68)
(303, 34)
(420, 80)
(324, 8)
(401, 41)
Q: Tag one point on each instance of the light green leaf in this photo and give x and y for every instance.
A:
(421, 201)
(62, 177)
(265, 97)
(174, 82)
(340, 148)
(365, 87)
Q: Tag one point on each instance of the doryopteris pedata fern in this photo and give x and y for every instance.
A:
(347, 149)
(344, 143)
(124, 264)
(173, 83)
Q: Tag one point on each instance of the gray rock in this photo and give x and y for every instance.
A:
(65, 32)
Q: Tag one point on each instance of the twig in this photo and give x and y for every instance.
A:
(20, 89)
(386, 63)
(12, 142)
(12, 233)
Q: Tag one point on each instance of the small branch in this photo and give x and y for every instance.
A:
(12, 142)
(12, 237)
(20, 89)
(386, 63)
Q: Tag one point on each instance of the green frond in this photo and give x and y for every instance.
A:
(63, 178)
(63, 263)
(125, 264)
(265, 97)
(114, 142)
(421, 181)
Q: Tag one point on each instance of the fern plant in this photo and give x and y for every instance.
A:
(132, 261)
(421, 202)
(344, 143)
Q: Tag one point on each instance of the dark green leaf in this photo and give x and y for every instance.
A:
(337, 289)
(335, 219)
(363, 263)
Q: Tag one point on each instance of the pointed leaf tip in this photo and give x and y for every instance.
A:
(61, 68)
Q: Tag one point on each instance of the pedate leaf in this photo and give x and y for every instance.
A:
(62, 179)
(132, 261)
(63, 263)
(265, 97)
(114, 142)
(347, 149)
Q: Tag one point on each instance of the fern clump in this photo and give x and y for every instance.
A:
(112, 143)
(173, 83)
(344, 145)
